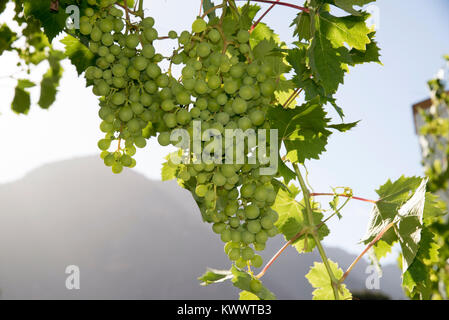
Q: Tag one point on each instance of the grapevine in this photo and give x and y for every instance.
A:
(230, 75)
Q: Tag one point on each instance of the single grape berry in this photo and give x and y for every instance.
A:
(199, 25)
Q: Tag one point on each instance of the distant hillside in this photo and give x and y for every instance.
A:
(132, 238)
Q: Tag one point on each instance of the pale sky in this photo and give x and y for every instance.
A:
(413, 39)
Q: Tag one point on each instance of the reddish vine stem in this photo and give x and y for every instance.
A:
(276, 256)
(286, 4)
(372, 243)
(343, 195)
(293, 96)
(262, 16)
(201, 7)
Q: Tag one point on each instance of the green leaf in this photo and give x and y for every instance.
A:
(22, 100)
(247, 14)
(48, 93)
(327, 64)
(168, 168)
(409, 224)
(303, 130)
(242, 280)
(52, 23)
(3, 5)
(214, 276)
(286, 172)
(7, 37)
(344, 127)
(392, 195)
(350, 30)
(416, 279)
(262, 32)
(302, 26)
(434, 207)
(371, 54)
(382, 249)
(348, 5)
(207, 5)
(293, 219)
(320, 280)
(80, 56)
(245, 295)
(401, 203)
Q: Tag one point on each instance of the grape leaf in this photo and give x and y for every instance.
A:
(401, 203)
(350, 30)
(3, 5)
(434, 207)
(207, 5)
(242, 280)
(7, 37)
(391, 197)
(303, 130)
(80, 56)
(169, 169)
(320, 280)
(50, 80)
(214, 276)
(382, 249)
(409, 224)
(22, 101)
(245, 295)
(262, 32)
(371, 54)
(416, 279)
(292, 219)
(302, 26)
(285, 171)
(327, 63)
(348, 5)
(52, 22)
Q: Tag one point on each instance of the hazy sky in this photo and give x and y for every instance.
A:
(413, 38)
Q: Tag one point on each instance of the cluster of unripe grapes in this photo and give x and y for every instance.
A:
(222, 85)
(125, 77)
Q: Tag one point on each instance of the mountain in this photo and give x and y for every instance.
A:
(131, 237)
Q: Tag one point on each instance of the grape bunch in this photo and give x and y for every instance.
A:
(126, 77)
(222, 85)
(231, 90)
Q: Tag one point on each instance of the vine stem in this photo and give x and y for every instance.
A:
(343, 195)
(211, 10)
(262, 16)
(372, 243)
(201, 8)
(276, 256)
(286, 4)
(334, 281)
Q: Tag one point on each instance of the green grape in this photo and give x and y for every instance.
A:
(214, 35)
(199, 25)
(247, 253)
(252, 211)
(257, 261)
(117, 168)
(172, 34)
(148, 51)
(132, 41)
(126, 114)
(140, 142)
(241, 263)
(104, 144)
(164, 139)
(86, 28)
(226, 235)
(234, 254)
(254, 226)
